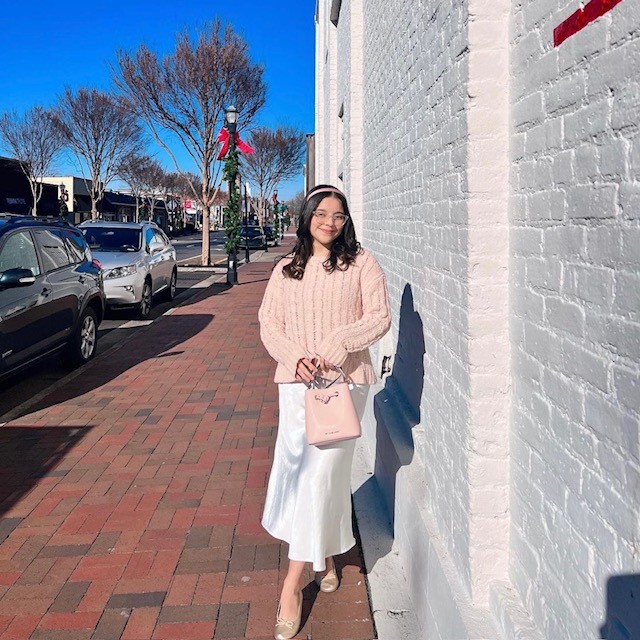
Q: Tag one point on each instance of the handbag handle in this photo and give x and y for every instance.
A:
(314, 383)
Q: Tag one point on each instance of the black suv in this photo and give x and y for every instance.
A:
(270, 235)
(51, 294)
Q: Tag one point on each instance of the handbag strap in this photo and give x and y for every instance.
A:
(315, 384)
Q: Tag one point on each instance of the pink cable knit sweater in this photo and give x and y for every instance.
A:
(334, 315)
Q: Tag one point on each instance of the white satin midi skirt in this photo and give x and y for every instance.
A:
(308, 503)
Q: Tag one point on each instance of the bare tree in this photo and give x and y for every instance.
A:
(173, 182)
(295, 206)
(183, 96)
(34, 140)
(189, 184)
(186, 183)
(153, 178)
(171, 192)
(133, 169)
(101, 130)
(277, 157)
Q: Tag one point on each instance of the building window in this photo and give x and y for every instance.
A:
(334, 16)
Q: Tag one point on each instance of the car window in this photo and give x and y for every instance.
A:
(148, 236)
(54, 252)
(160, 237)
(164, 237)
(76, 246)
(19, 252)
(118, 239)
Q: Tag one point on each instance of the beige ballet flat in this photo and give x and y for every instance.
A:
(329, 582)
(287, 629)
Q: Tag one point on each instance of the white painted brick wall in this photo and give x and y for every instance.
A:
(575, 471)
(415, 221)
(343, 35)
(573, 198)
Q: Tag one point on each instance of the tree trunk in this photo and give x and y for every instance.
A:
(261, 204)
(34, 208)
(94, 201)
(206, 213)
(206, 249)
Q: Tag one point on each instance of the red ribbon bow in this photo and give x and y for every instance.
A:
(225, 139)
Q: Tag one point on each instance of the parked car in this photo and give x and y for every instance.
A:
(138, 262)
(51, 293)
(252, 236)
(270, 235)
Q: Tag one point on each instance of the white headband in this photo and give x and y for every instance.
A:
(316, 190)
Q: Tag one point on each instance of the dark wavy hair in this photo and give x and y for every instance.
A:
(344, 249)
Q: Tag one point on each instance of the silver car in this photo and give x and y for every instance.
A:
(138, 261)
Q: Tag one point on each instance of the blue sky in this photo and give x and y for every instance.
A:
(49, 46)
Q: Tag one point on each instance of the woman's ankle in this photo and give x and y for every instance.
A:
(290, 587)
(329, 565)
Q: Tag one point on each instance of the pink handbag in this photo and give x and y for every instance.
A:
(330, 415)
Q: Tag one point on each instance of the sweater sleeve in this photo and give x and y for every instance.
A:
(374, 323)
(272, 326)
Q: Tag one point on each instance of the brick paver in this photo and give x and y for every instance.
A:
(130, 497)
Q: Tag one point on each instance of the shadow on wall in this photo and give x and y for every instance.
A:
(623, 608)
(397, 411)
(397, 406)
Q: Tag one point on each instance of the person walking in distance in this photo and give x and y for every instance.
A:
(325, 304)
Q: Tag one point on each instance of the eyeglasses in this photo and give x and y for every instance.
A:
(338, 219)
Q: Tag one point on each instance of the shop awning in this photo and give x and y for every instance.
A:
(81, 203)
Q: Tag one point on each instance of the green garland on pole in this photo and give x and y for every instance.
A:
(232, 221)
(276, 222)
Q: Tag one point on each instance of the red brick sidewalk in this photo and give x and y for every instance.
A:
(130, 498)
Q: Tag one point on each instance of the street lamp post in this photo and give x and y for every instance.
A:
(231, 124)
(276, 219)
(246, 226)
(64, 197)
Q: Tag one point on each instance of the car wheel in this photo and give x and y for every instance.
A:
(83, 344)
(144, 306)
(170, 291)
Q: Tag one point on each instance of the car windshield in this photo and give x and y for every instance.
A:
(252, 232)
(112, 238)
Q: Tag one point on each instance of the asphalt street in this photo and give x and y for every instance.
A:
(189, 248)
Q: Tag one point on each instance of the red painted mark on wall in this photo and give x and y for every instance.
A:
(581, 18)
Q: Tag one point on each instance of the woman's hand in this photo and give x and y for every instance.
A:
(323, 365)
(306, 370)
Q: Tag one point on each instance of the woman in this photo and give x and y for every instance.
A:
(325, 304)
